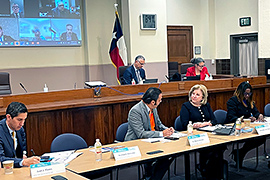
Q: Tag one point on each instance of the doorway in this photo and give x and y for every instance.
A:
(244, 54)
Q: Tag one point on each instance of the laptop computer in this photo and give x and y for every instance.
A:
(150, 81)
(191, 78)
(225, 130)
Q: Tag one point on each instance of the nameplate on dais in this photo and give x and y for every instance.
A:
(46, 168)
(263, 129)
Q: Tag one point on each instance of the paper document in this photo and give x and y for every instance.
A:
(63, 157)
(178, 135)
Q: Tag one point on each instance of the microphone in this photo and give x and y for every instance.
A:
(22, 86)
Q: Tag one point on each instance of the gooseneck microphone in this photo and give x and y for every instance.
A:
(22, 86)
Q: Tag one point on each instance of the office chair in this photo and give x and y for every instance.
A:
(121, 132)
(178, 124)
(220, 116)
(121, 71)
(4, 83)
(184, 67)
(172, 68)
(68, 141)
(267, 110)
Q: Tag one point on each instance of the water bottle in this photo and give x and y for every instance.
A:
(190, 128)
(46, 89)
(133, 82)
(238, 127)
(98, 150)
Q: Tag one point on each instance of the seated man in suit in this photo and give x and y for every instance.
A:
(135, 72)
(16, 11)
(144, 122)
(69, 35)
(12, 136)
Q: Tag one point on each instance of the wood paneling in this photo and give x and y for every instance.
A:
(94, 118)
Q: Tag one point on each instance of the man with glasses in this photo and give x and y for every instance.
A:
(198, 69)
(60, 11)
(16, 11)
(144, 122)
(135, 73)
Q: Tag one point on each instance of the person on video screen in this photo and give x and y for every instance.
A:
(38, 36)
(60, 11)
(16, 11)
(69, 35)
(4, 37)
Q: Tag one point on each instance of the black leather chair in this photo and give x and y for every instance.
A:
(4, 83)
(172, 68)
(184, 67)
(121, 71)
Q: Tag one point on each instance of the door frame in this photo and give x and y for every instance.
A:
(234, 49)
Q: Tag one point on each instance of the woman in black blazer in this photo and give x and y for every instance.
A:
(242, 104)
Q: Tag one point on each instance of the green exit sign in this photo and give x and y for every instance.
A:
(245, 21)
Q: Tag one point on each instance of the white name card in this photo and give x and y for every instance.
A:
(198, 139)
(262, 129)
(127, 152)
(46, 168)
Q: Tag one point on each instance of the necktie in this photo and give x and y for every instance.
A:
(13, 137)
(152, 121)
(16, 15)
(138, 75)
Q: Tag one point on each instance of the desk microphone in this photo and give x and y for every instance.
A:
(22, 86)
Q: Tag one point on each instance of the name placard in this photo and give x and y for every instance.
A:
(198, 139)
(125, 153)
(46, 168)
(262, 129)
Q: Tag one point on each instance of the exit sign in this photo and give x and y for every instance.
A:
(245, 21)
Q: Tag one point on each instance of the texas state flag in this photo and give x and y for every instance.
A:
(118, 50)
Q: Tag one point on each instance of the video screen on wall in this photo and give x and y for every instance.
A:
(40, 23)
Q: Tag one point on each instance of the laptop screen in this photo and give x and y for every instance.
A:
(192, 78)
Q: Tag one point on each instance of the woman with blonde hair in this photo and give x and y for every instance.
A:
(197, 109)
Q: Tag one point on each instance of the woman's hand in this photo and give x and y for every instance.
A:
(252, 119)
(260, 118)
(201, 124)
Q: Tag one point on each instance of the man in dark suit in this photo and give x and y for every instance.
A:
(12, 136)
(16, 11)
(144, 122)
(135, 72)
(4, 37)
(60, 11)
(69, 35)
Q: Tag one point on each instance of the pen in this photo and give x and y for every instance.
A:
(155, 141)
(33, 152)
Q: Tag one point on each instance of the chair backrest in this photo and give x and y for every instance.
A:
(185, 66)
(178, 124)
(172, 68)
(220, 116)
(267, 109)
(68, 141)
(121, 132)
(121, 71)
(4, 83)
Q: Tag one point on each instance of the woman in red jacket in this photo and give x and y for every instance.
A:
(198, 68)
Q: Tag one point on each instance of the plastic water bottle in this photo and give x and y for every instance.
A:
(98, 150)
(238, 127)
(46, 89)
(190, 128)
(211, 77)
(133, 82)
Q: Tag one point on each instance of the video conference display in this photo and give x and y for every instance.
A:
(40, 23)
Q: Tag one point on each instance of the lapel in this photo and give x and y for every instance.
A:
(146, 114)
(135, 75)
(8, 137)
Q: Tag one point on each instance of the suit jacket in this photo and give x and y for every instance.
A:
(7, 38)
(139, 123)
(236, 109)
(130, 74)
(191, 72)
(74, 37)
(7, 151)
(20, 14)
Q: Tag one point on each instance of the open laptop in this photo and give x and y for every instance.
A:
(225, 130)
(191, 78)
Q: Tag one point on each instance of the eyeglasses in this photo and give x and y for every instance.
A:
(200, 66)
(15, 7)
(141, 63)
(249, 94)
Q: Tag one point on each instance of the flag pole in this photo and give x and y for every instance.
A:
(115, 7)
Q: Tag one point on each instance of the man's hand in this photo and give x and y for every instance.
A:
(260, 118)
(167, 132)
(31, 160)
(252, 119)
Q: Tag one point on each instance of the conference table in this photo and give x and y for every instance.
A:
(86, 163)
(24, 173)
